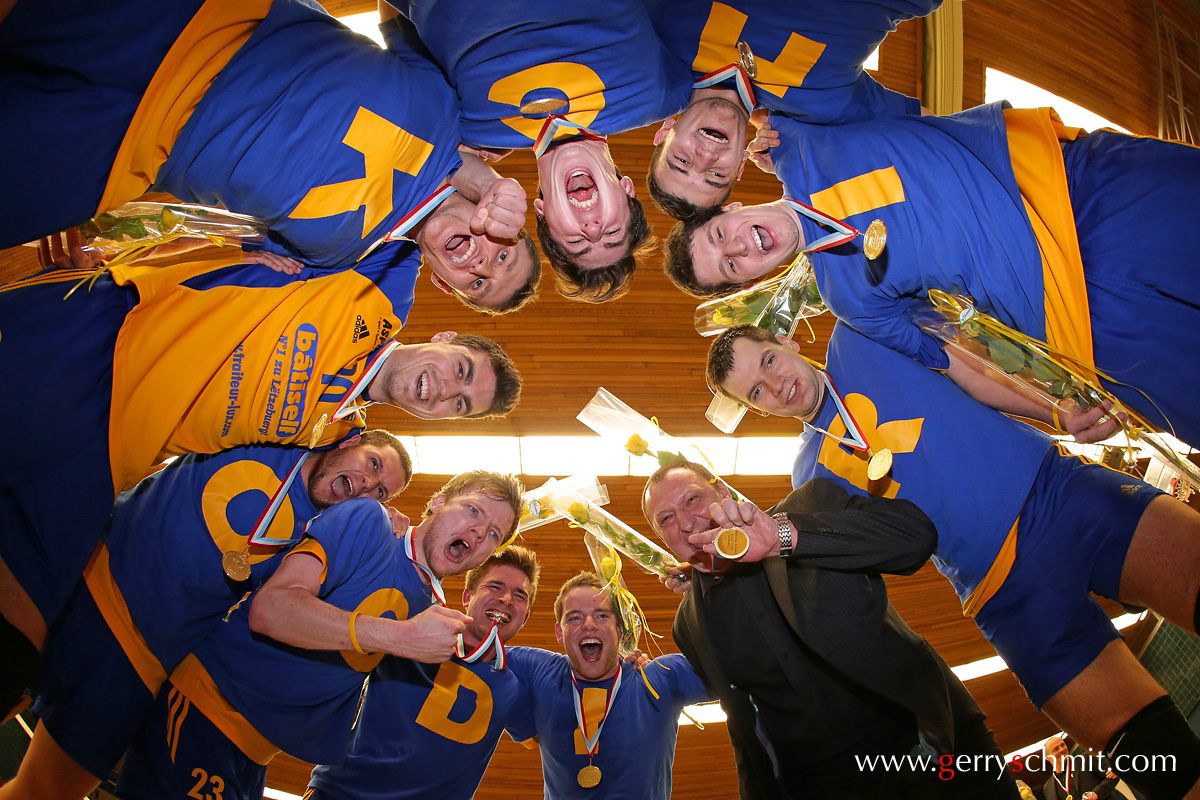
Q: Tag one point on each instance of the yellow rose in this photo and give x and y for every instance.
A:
(578, 512)
(637, 445)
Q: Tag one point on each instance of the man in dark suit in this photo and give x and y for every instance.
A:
(818, 674)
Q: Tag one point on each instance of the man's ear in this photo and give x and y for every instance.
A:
(444, 336)
(661, 134)
(627, 184)
(741, 169)
(466, 598)
(558, 632)
(441, 284)
(731, 207)
(351, 442)
(791, 344)
(538, 207)
(436, 502)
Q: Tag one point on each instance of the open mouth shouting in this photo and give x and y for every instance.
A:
(458, 550)
(591, 649)
(714, 135)
(424, 387)
(342, 488)
(763, 240)
(581, 190)
(460, 248)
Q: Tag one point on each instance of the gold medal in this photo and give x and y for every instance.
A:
(236, 566)
(317, 430)
(732, 543)
(875, 239)
(543, 106)
(746, 60)
(589, 776)
(880, 464)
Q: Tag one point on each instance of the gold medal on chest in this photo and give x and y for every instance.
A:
(880, 464)
(875, 239)
(543, 106)
(236, 566)
(589, 776)
(317, 430)
(746, 60)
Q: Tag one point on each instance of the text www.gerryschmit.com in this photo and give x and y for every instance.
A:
(948, 765)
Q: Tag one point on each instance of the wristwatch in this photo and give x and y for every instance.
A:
(785, 533)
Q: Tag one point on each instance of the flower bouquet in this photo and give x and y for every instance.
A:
(138, 227)
(536, 509)
(777, 304)
(1066, 384)
(607, 563)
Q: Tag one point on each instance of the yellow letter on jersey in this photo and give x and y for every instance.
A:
(899, 436)
(718, 48)
(593, 702)
(385, 148)
(435, 713)
(227, 483)
(376, 604)
(579, 83)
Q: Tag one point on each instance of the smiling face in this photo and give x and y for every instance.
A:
(483, 270)
(502, 596)
(584, 203)
(677, 506)
(702, 151)
(354, 470)
(775, 379)
(462, 531)
(588, 632)
(745, 243)
(439, 380)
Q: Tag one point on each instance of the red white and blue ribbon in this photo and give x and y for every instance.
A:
(259, 534)
(855, 437)
(745, 88)
(435, 585)
(373, 366)
(493, 641)
(843, 232)
(550, 128)
(410, 220)
(594, 742)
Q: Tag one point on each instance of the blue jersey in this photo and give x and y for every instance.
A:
(637, 744)
(175, 527)
(946, 450)
(419, 718)
(601, 58)
(945, 188)
(316, 131)
(809, 55)
(304, 701)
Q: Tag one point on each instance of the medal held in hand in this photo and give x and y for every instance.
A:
(732, 543)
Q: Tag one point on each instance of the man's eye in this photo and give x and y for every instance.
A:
(477, 283)
(755, 392)
(720, 236)
(458, 405)
(770, 361)
(382, 492)
(503, 257)
(729, 263)
(683, 161)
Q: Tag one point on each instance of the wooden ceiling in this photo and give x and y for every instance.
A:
(1100, 53)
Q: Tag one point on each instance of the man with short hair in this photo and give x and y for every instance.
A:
(627, 744)
(182, 548)
(1068, 780)
(271, 109)
(1023, 547)
(406, 734)
(811, 662)
(525, 66)
(346, 596)
(805, 59)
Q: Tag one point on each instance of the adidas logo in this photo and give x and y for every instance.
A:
(360, 329)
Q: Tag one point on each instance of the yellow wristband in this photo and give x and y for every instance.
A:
(1054, 416)
(354, 636)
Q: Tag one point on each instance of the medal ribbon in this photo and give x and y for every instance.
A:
(439, 596)
(594, 742)
(369, 372)
(259, 534)
(844, 232)
(856, 438)
(745, 88)
(550, 128)
(409, 220)
(492, 640)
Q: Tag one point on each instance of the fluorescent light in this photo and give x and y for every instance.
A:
(704, 713)
(450, 455)
(766, 455)
(567, 455)
(1022, 94)
(279, 794)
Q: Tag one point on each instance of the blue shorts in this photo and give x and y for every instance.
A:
(1120, 185)
(56, 490)
(66, 102)
(89, 696)
(180, 753)
(1072, 538)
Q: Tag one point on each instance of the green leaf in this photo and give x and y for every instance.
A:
(1007, 356)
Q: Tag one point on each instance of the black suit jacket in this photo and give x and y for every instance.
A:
(831, 593)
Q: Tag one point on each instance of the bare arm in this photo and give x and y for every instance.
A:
(982, 384)
(287, 608)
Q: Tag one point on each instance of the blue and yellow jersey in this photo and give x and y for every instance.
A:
(962, 214)
(417, 719)
(218, 353)
(601, 58)
(296, 120)
(967, 466)
(157, 578)
(267, 696)
(637, 744)
(809, 55)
